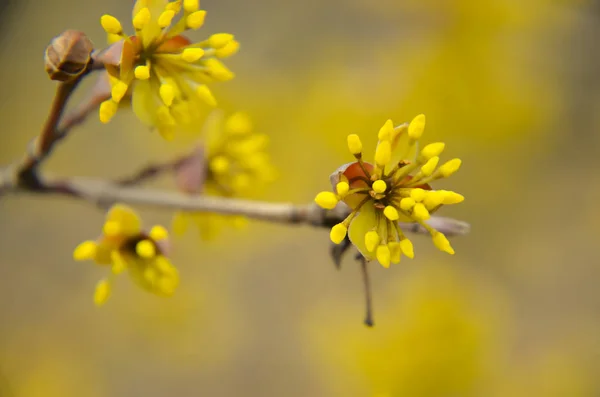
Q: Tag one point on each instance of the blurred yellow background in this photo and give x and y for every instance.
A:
(510, 86)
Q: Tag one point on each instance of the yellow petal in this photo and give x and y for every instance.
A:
(128, 221)
(363, 222)
(143, 103)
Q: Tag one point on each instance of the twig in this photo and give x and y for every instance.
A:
(55, 128)
(41, 146)
(104, 193)
(151, 171)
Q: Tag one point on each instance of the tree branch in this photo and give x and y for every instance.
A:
(105, 193)
(55, 129)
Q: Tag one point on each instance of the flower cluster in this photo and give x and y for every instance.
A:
(234, 163)
(123, 245)
(394, 189)
(163, 71)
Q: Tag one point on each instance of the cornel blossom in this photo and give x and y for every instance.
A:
(393, 189)
(163, 71)
(233, 162)
(123, 246)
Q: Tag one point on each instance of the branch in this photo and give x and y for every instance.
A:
(105, 193)
(61, 51)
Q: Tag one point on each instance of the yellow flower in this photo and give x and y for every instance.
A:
(163, 71)
(392, 190)
(125, 246)
(234, 163)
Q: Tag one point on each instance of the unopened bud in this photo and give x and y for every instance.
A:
(68, 55)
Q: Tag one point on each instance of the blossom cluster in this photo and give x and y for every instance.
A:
(394, 188)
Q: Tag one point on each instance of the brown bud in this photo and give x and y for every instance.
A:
(68, 55)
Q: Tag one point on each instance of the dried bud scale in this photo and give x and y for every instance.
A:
(68, 55)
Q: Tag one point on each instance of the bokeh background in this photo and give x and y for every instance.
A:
(510, 86)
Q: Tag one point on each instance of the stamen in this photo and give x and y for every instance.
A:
(385, 133)
(372, 240)
(416, 127)
(111, 24)
(196, 19)
(338, 233)
(379, 186)
(383, 255)
(142, 18)
(354, 144)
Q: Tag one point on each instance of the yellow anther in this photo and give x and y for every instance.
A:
(192, 54)
(429, 166)
(158, 233)
(407, 203)
(420, 213)
(219, 40)
(442, 243)
(372, 240)
(338, 233)
(218, 70)
(145, 249)
(206, 95)
(434, 199)
(354, 144)
(450, 167)
(142, 72)
(452, 198)
(167, 93)
(418, 194)
(383, 255)
(142, 18)
(238, 124)
(379, 186)
(391, 213)
(219, 165)
(432, 150)
(395, 252)
(164, 116)
(326, 200)
(416, 127)
(191, 5)
(85, 251)
(102, 292)
(342, 188)
(196, 19)
(407, 248)
(107, 110)
(386, 132)
(174, 6)
(111, 24)
(228, 49)
(383, 153)
(118, 91)
(165, 18)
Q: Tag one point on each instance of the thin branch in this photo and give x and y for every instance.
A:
(55, 128)
(105, 193)
(151, 171)
(42, 145)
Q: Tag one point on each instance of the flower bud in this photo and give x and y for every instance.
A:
(68, 55)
